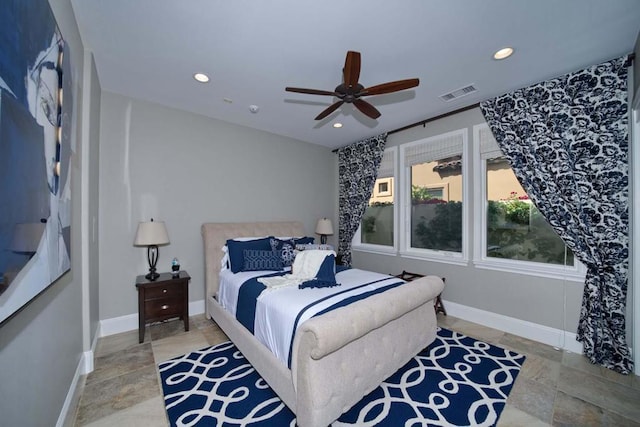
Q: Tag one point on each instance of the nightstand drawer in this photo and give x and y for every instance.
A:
(161, 308)
(167, 291)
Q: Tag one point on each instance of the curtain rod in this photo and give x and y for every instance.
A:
(441, 116)
(425, 121)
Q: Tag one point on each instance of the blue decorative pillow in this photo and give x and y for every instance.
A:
(262, 260)
(325, 277)
(236, 248)
(303, 240)
(286, 248)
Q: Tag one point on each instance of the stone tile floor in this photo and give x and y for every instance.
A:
(553, 388)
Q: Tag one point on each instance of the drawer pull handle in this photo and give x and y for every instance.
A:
(164, 307)
(164, 291)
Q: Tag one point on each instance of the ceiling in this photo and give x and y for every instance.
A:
(252, 50)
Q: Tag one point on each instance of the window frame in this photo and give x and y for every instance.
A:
(457, 258)
(356, 242)
(575, 272)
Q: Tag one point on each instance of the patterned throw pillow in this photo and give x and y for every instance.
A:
(286, 249)
(255, 259)
(236, 250)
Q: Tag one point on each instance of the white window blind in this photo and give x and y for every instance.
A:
(432, 149)
(489, 148)
(386, 169)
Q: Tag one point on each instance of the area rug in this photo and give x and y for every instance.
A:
(455, 381)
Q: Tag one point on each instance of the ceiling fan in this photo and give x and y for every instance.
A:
(350, 91)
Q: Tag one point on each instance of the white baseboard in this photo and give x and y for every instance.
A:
(87, 356)
(87, 362)
(117, 325)
(129, 322)
(71, 395)
(85, 366)
(533, 331)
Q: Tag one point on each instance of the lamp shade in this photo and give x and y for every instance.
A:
(26, 236)
(324, 227)
(151, 233)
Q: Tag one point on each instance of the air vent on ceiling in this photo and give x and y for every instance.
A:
(458, 93)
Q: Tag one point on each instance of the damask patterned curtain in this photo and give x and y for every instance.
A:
(567, 142)
(357, 171)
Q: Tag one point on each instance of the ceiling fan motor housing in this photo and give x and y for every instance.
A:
(350, 93)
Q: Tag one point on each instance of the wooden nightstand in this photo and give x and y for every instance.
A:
(162, 299)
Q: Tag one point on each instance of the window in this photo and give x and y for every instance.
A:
(434, 196)
(376, 231)
(511, 233)
(383, 187)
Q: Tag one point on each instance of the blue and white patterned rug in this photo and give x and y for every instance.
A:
(455, 381)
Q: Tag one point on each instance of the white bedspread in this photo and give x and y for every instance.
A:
(304, 268)
(276, 312)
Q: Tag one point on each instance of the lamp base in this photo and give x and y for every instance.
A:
(323, 239)
(152, 275)
(152, 256)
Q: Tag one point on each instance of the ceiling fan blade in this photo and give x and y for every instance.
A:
(311, 91)
(352, 69)
(333, 107)
(366, 108)
(389, 87)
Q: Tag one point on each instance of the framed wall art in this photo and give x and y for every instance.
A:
(35, 148)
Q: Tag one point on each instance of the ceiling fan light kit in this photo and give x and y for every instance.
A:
(350, 90)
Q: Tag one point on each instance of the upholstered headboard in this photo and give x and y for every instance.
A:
(216, 234)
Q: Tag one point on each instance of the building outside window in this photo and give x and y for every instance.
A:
(377, 228)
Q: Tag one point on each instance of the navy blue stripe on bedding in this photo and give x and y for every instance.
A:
(342, 303)
(248, 298)
(355, 298)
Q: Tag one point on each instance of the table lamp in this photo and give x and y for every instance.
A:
(324, 228)
(151, 234)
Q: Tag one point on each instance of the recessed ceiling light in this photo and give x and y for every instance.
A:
(337, 125)
(503, 53)
(202, 78)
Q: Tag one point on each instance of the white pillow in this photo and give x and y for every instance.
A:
(314, 246)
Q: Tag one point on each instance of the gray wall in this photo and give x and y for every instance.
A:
(185, 169)
(41, 346)
(89, 189)
(535, 299)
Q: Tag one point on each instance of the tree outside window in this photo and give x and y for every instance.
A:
(516, 230)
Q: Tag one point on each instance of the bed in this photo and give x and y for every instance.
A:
(336, 358)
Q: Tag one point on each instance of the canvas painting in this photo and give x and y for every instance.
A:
(35, 147)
